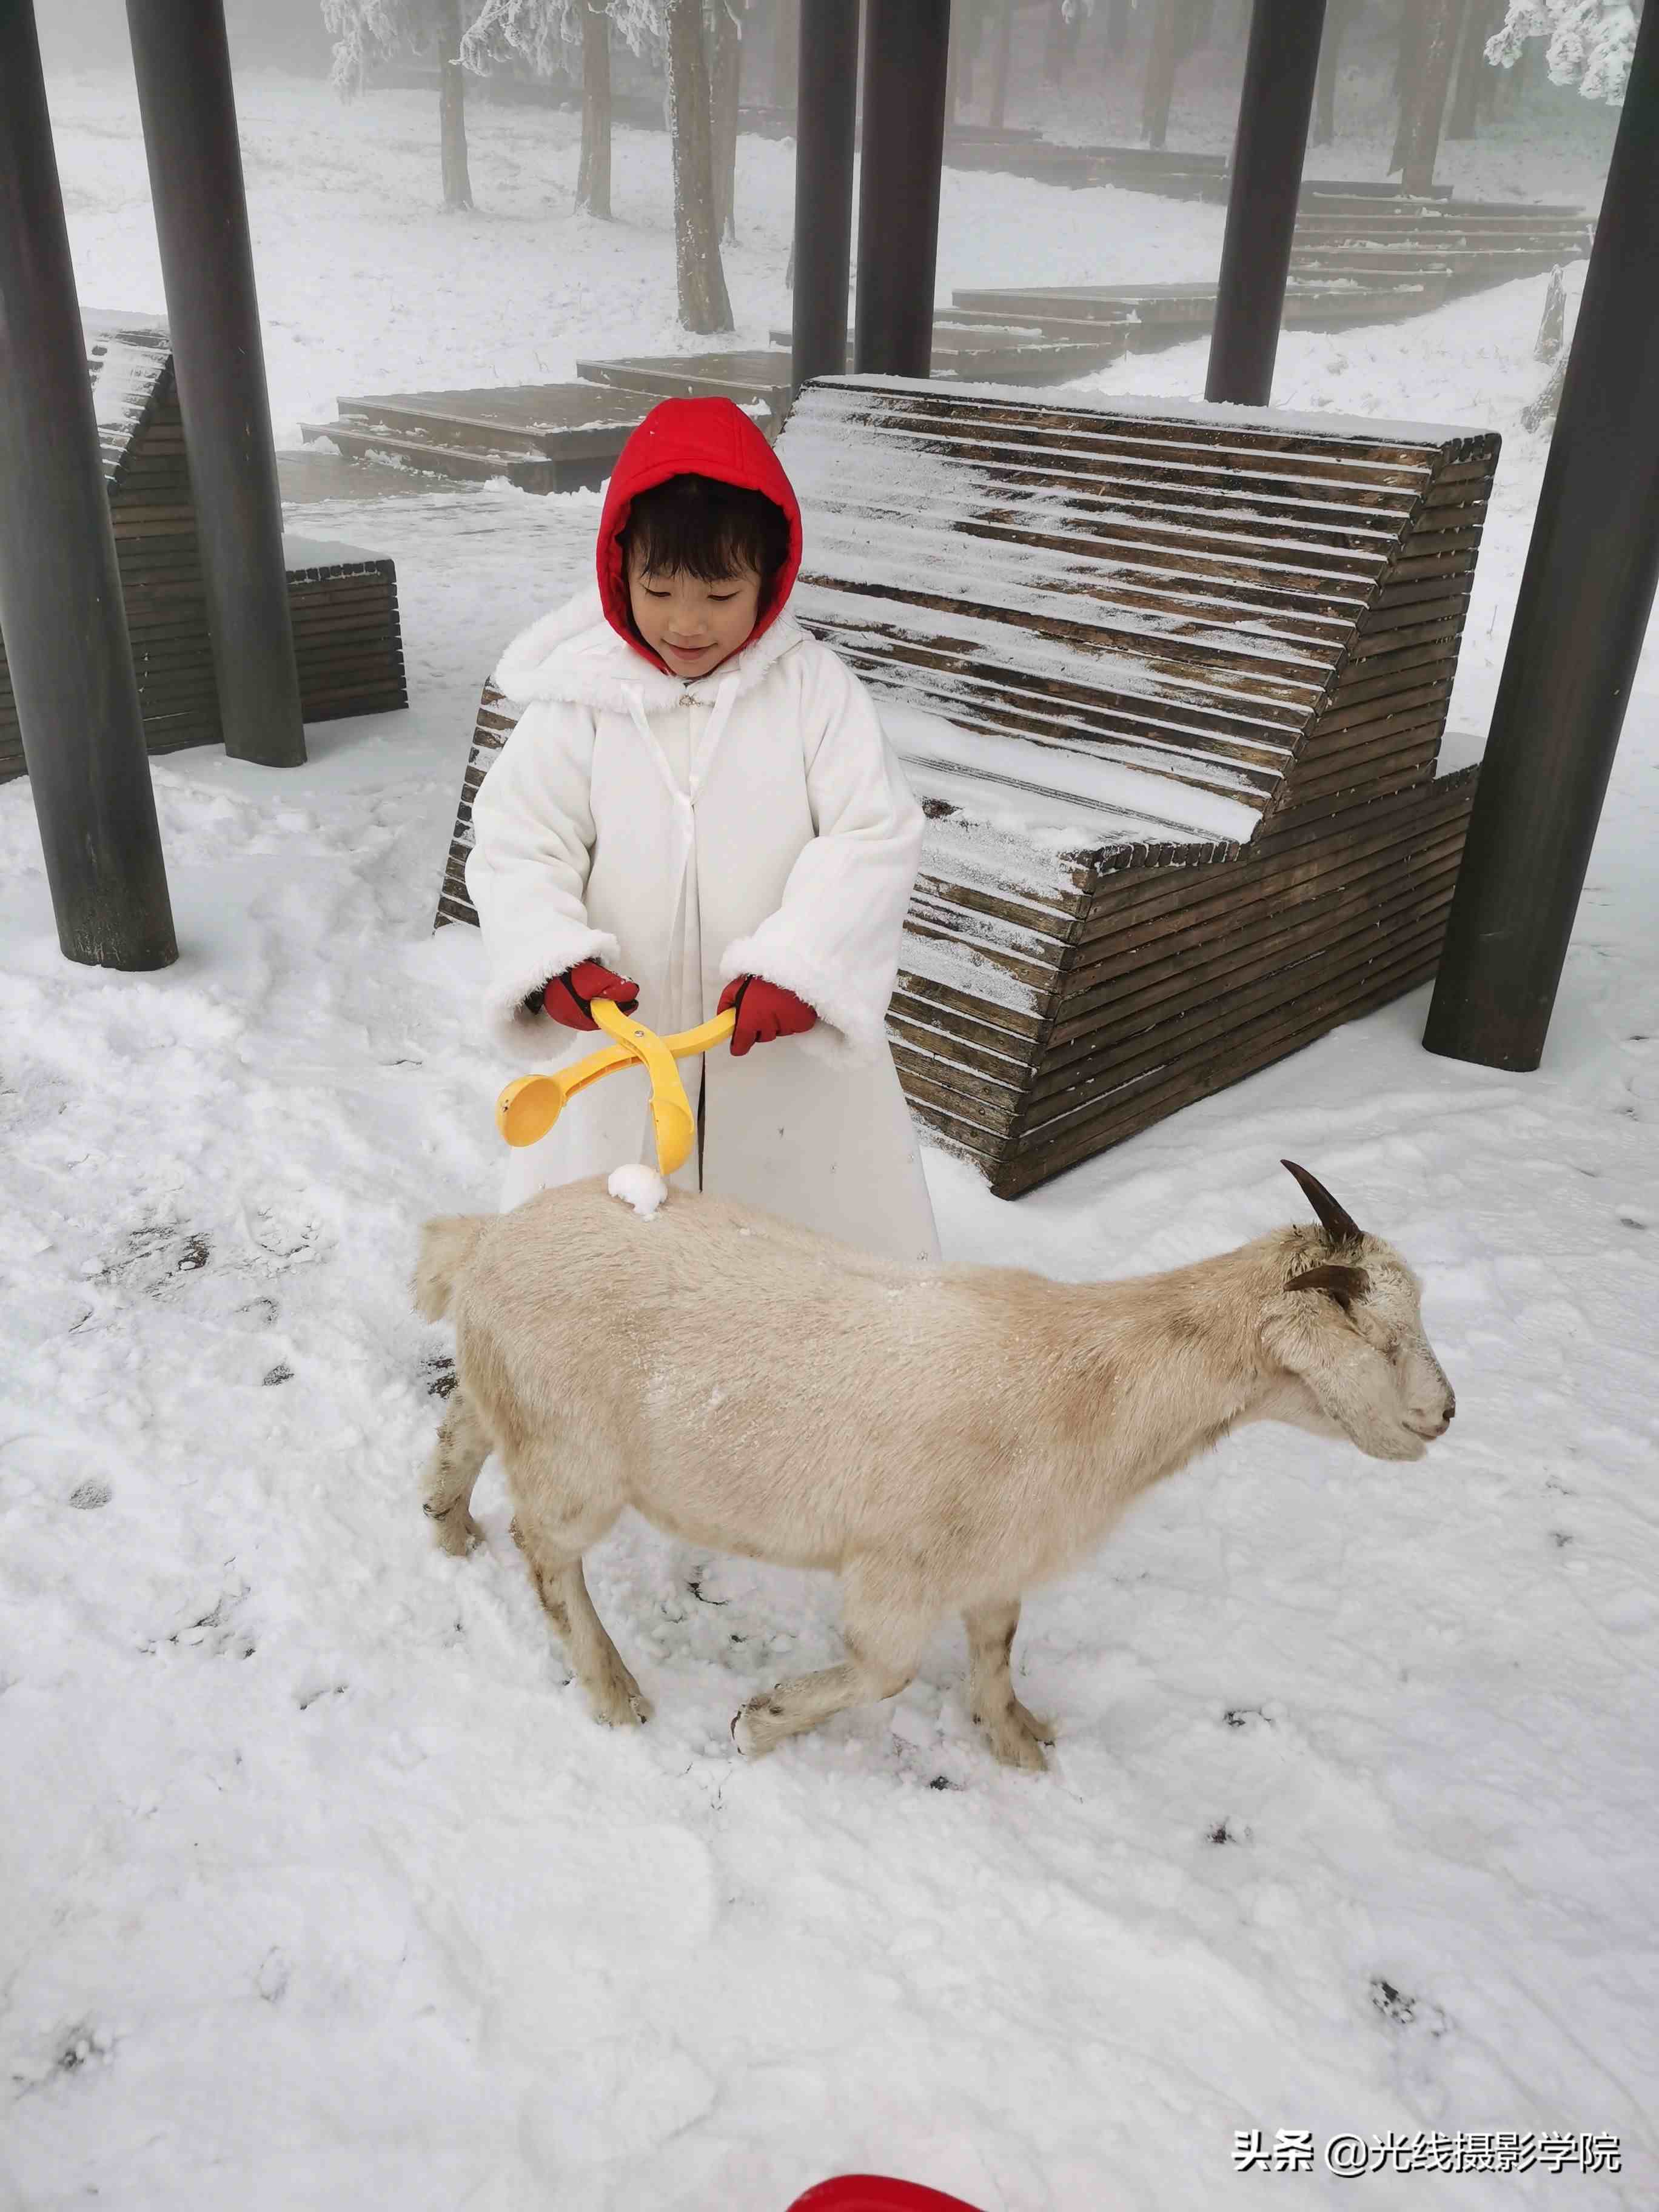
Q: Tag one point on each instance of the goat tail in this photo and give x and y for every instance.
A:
(447, 1243)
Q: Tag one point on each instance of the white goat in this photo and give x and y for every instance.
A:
(943, 1438)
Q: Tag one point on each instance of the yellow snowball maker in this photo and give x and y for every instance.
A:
(527, 1109)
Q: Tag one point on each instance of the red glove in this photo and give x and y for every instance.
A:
(566, 997)
(765, 1011)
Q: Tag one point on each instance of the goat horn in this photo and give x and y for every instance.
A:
(1336, 1221)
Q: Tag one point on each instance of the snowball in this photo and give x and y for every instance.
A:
(642, 1187)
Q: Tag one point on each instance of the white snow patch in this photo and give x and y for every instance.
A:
(640, 1187)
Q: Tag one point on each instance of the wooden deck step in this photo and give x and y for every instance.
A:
(559, 421)
(1171, 314)
(753, 376)
(541, 437)
(1013, 352)
(362, 439)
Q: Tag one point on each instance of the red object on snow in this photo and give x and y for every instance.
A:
(691, 438)
(876, 2192)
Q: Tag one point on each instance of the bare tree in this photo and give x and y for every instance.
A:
(999, 62)
(367, 31)
(1340, 17)
(1061, 33)
(1420, 135)
(1480, 20)
(594, 171)
(726, 95)
(785, 51)
(452, 105)
(705, 305)
(1160, 72)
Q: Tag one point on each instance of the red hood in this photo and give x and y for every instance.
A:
(691, 438)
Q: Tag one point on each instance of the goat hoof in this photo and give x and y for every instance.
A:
(1017, 1738)
(454, 1529)
(750, 1731)
(1042, 1730)
(619, 1702)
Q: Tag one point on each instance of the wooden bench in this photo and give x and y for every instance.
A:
(343, 601)
(1170, 682)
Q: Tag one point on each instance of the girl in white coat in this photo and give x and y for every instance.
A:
(698, 807)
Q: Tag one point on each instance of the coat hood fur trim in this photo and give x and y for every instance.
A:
(573, 655)
(845, 1031)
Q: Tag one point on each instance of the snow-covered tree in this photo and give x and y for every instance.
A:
(1590, 42)
(367, 31)
(570, 37)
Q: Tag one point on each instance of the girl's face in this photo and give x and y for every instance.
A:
(693, 625)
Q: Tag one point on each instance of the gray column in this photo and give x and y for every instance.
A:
(1274, 106)
(906, 46)
(61, 612)
(1585, 596)
(825, 105)
(183, 67)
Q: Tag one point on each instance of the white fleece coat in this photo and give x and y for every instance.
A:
(753, 822)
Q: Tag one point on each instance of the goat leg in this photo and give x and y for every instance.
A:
(553, 1552)
(884, 1626)
(462, 1448)
(1016, 1736)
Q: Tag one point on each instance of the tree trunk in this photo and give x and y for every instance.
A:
(1160, 74)
(704, 304)
(1551, 323)
(1545, 408)
(1407, 70)
(452, 106)
(1411, 40)
(727, 96)
(1117, 29)
(1194, 26)
(1054, 31)
(593, 175)
(1000, 64)
(785, 51)
(1421, 136)
(1482, 19)
(1338, 19)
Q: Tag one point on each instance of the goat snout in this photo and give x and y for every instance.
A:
(1434, 1421)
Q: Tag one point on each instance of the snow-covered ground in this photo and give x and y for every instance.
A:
(320, 1888)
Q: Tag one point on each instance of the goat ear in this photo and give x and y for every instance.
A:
(1351, 1381)
(1344, 1284)
(1337, 1224)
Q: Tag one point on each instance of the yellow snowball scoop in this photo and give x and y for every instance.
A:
(527, 1109)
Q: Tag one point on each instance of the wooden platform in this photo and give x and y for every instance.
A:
(1357, 256)
(1172, 315)
(1170, 682)
(987, 353)
(566, 437)
(542, 437)
(344, 600)
(753, 376)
